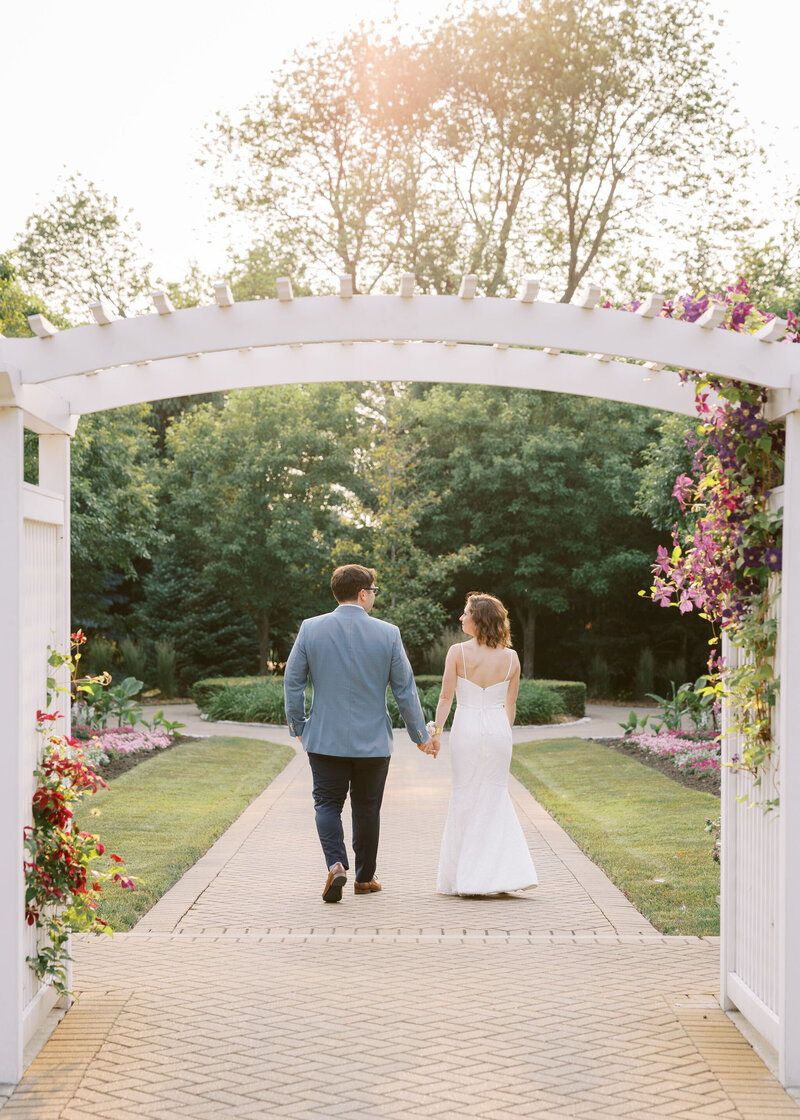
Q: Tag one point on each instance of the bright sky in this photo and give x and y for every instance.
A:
(121, 93)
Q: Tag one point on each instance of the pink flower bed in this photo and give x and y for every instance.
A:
(699, 755)
(117, 741)
(127, 741)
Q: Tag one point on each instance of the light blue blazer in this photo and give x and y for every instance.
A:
(350, 658)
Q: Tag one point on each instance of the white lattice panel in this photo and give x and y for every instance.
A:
(751, 862)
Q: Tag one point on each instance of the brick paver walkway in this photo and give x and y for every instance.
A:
(241, 994)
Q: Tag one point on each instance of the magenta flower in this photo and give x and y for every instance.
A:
(662, 594)
(682, 490)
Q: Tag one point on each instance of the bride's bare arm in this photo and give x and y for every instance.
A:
(448, 688)
(513, 691)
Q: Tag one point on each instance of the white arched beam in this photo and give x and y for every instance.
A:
(43, 411)
(513, 322)
(370, 361)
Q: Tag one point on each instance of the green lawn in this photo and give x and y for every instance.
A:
(165, 813)
(637, 825)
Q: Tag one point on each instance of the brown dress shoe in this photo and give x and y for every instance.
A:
(334, 884)
(367, 888)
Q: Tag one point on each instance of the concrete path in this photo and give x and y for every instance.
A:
(241, 994)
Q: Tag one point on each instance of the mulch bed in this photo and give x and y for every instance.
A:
(121, 765)
(708, 783)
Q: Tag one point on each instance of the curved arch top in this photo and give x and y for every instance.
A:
(371, 361)
(319, 319)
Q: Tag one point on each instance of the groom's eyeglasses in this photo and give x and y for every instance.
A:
(374, 590)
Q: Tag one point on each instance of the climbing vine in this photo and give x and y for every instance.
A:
(726, 561)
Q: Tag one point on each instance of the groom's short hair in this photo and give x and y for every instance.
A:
(349, 579)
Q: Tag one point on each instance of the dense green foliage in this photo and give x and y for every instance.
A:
(221, 541)
(17, 302)
(115, 488)
(545, 485)
(258, 489)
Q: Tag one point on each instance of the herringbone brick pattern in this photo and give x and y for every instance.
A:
(242, 994)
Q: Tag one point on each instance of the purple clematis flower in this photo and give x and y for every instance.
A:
(748, 409)
(773, 559)
(753, 557)
(754, 427)
(739, 314)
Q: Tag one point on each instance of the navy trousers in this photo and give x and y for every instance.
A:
(363, 778)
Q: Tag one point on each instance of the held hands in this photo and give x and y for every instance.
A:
(430, 746)
(434, 741)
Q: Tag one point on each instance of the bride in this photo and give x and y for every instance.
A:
(483, 846)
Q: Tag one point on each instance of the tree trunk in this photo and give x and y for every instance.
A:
(528, 640)
(262, 623)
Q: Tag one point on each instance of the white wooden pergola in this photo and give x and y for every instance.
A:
(49, 381)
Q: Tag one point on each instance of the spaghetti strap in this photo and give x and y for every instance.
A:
(464, 659)
(510, 663)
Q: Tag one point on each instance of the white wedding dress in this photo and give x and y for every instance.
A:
(483, 846)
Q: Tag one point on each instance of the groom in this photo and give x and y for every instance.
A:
(350, 659)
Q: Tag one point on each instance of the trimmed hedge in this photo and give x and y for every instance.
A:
(537, 703)
(260, 699)
(572, 693)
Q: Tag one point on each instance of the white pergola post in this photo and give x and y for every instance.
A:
(14, 814)
(789, 770)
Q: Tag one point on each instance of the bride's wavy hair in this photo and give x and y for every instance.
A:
(492, 627)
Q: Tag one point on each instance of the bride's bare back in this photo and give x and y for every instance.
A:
(484, 666)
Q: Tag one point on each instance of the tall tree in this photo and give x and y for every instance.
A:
(571, 123)
(332, 157)
(668, 455)
(17, 302)
(415, 582)
(114, 509)
(549, 134)
(82, 247)
(255, 493)
(545, 484)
